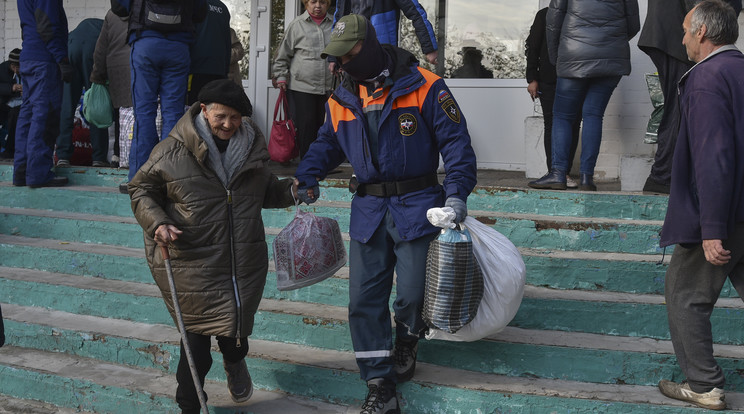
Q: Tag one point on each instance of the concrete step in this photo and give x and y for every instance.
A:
(434, 388)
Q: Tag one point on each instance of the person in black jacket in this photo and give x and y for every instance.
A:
(541, 77)
(661, 40)
(10, 99)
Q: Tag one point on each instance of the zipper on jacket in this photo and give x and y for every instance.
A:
(239, 316)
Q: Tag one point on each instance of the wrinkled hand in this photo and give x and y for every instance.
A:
(165, 234)
(532, 89)
(66, 70)
(308, 195)
(715, 254)
(461, 209)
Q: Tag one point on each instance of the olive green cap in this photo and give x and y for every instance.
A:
(348, 31)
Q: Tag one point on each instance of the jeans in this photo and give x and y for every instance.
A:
(588, 97)
(160, 69)
(371, 267)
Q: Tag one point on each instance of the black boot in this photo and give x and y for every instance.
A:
(587, 182)
(554, 180)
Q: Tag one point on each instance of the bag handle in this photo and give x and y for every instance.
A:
(282, 99)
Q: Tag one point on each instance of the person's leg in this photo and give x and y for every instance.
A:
(186, 394)
(371, 267)
(70, 97)
(569, 96)
(12, 128)
(28, 80)
(44, 127)
(303, 112)
(596, 99)
(239, 382)
(145, 88)
(670, 72)
(547, 97)
(692, 286)
(2, 329)
(174, 72)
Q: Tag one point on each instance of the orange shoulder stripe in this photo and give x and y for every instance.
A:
(338, 113)
(418, 96)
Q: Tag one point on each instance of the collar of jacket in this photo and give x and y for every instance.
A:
(721, 49)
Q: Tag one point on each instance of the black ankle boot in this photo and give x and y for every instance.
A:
(553, 180)
(587, 182)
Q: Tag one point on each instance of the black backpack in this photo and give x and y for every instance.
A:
(165, 16)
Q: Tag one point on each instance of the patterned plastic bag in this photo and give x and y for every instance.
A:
(307, 251)
(454, 282)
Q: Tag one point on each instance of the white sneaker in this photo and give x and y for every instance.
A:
(712, 400)
(570, 183)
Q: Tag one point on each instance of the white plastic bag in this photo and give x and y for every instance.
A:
(310, 249)
(504, 276)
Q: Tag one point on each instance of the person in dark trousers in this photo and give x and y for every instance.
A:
(11, 91)
(661, 40)
(541, 79)
(391, 119)
(160, 34)
(705, 216)
(2, 329)
(81, 45)
(44, 66)
(212, 49)
(217, 244)
(111, 68)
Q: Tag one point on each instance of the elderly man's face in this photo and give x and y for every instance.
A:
(691, 40)
(223, 120)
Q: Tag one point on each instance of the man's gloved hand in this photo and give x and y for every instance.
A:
(461, 209)
(66, 69)
(309, 195)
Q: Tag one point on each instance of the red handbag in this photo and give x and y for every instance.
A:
(282, 146)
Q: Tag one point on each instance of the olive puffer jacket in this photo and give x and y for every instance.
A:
(589, 38)
(221, 259)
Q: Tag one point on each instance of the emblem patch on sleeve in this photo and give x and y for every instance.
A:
(450, 109)
(407, 124)
(442, 96)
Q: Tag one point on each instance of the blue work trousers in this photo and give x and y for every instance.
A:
(371, 267)
(574, 97)
(38, 122)
(160, 68)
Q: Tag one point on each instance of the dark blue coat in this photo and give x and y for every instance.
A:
(707, 193)
(419, 120)
(44, 30)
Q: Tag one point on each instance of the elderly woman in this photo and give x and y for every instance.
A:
(201, 193)
(299, 69)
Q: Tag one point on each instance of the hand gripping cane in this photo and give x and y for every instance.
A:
(182, 328)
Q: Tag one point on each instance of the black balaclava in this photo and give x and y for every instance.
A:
(371, 60)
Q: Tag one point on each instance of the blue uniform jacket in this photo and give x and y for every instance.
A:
(44, 30)
(419, 120)
(707, 193)
(122, 8)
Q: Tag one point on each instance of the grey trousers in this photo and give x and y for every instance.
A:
(691, 289)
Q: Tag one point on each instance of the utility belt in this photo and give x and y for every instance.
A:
(393, 188)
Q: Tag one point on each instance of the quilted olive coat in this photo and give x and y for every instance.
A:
(221, 259)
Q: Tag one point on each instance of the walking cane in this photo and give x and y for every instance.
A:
(181, 327)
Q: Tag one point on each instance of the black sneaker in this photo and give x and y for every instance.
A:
(381, 398)
(238, 381)
(404, 357)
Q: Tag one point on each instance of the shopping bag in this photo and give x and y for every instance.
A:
(504, 277)
(82, 150)
(126, 132)
(282, 145)
(454, 282)
(308, 250)
(657, 100)
(97, 108)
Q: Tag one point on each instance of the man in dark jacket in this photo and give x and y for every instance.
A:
(705, 217)
(201, 193)
(44, 66)
(391, 119)
(661, 40)
(10, 100)
(211, 51)
(81, 45)
(160, 34)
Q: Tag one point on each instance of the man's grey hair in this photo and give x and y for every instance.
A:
(719, 19)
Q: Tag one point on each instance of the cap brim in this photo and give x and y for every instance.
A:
(338, 48)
